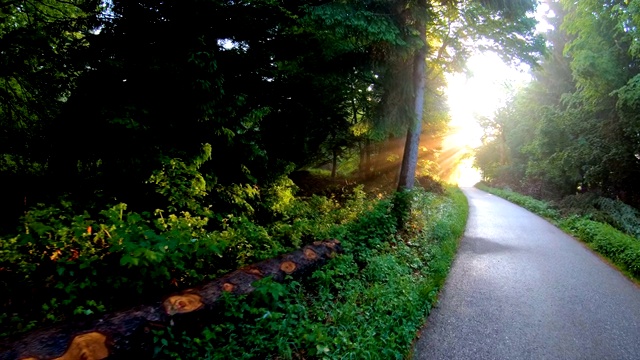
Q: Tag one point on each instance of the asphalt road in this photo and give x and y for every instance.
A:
(520, 288)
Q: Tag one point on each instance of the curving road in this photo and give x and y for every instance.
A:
(522, 289)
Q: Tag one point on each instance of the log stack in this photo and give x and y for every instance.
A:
(124, 334)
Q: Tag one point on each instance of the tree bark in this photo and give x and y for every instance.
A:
(127, 334)
(411, 147)
(334, 163)
(367, 154)
(361, 153)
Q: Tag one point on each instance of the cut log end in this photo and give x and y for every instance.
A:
(288, 267)
(332, 244)
(89, 346)
(310, 254)
(183, 303)
(254, 271)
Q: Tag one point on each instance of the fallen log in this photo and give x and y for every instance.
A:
(125, 333)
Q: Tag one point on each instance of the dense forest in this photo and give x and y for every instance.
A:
(147, 146)
(573, 133)
(176, 104)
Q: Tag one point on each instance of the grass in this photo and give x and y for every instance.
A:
(539, 207)
(366, 304)
(620, 248)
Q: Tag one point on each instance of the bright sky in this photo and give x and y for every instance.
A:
(480, 92)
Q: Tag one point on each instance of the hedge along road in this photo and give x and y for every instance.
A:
(520, 288)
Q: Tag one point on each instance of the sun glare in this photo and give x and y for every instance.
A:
(486, 86)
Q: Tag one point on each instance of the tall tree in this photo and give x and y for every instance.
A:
(504, 26)
(410, 155)
(580, 108)
(43, 51)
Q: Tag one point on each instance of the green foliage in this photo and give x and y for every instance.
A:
(539, 207)
(279, 196)
(574, 128)
(401, 207)
(304, 73)
(42, 44)
(365, 304)
(44, 47)
(613, 212)
(182, 184)
(622, 249)
(620, 215)
(63, 264)
(364, 24)
(368, 303)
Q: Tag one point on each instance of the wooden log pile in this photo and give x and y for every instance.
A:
(124, 334)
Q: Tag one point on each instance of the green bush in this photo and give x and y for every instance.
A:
(539, 207)
(613, 212)
(620, 215)
(366, 304)
(64, 266)
(622, 249)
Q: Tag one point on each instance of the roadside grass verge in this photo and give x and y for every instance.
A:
(621, 249)
(366, 304)
(539, 207)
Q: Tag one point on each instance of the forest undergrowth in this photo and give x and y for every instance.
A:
(368, 303)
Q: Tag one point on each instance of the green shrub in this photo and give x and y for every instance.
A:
(366, 304)
(539, 207)
(622, 249)
(620, 215)
(613, 212)
(65, 266)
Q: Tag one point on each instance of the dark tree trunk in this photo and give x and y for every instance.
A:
(367, 153)
(334, 163)
(362, 154)
(410, 157)
(126, 333)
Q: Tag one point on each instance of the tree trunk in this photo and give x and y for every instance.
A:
(361, 164)
(503, 148)
(127, 334)
(411, 147)
(367, 153)
(334, 164)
